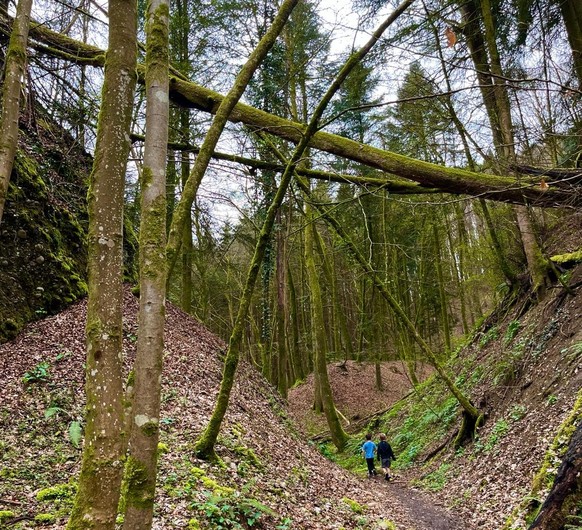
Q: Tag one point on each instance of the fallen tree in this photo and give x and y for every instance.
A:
(449, 180)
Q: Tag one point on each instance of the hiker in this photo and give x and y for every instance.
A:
(385, 455)
(368, 450)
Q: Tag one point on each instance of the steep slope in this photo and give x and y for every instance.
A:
(273, 473)
(42, 237)
(355, 393)
(523, 368)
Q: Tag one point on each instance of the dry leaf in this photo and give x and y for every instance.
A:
(544, 185)
(451, 37)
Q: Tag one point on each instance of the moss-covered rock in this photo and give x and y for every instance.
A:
(43, 256)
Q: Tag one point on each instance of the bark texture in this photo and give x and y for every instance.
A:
(15, 68)
(566, 491)
(140, 477)
(102, 467)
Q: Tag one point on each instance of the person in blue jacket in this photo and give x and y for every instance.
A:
(368, 450)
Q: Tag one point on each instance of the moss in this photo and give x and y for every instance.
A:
(6, 514)
(162, 448)
(45, 518)
(194, 524)
(138, 490)
(567, 259)
(355, 506)
(59, 491)
(198, 472)
(249, 455)
(42, 239)
(150, 428)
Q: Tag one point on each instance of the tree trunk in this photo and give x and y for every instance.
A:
(572, 14)
(283, 375)
(564, 497)
(14, 72)
(338, 435)
(141, 466)
(441, 285)
(101, 470)
(187, 245)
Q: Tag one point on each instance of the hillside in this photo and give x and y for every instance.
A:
(523, 368)
(42, 238)
(265, 459)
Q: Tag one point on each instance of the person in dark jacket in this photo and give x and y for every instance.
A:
(385, 455)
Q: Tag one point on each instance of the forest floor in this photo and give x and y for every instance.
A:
(264, 456)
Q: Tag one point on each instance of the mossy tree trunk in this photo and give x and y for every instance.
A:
(96, 501)
(206, 443)
(14, 73)
(283, 365)
(338, 435)
(443, 300)
(141, 466)
(449, 180)
(572, 14)
(187, 244)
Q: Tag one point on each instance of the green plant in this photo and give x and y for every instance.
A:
(63, 356)
(40, 373)
(60, 491)
(572, 352)
(231, 511)
(354, 505)
(499, 430)
(490, 335)
(386, 525)
(551, 399)
(285, 524)
(436, 480)
(511, 331)
(75, 430)
(517, 412)
(45, 518)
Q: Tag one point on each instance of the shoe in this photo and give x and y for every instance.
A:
(375, 472)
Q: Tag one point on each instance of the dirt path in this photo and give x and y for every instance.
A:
(419, 507)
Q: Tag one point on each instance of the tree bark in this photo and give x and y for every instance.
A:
(14, 72)
(564, 497)
(572, 14)
(96, 501)
(338, 435)
(141, 466)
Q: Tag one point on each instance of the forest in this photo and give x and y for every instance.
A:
(220, 218)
